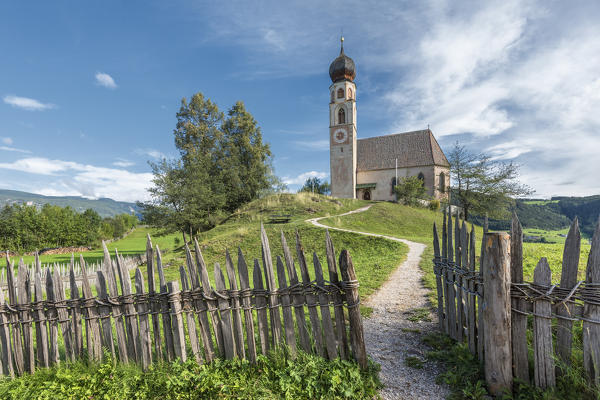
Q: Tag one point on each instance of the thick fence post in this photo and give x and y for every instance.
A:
(496, 313)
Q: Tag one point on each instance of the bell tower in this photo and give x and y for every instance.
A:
(342, 126)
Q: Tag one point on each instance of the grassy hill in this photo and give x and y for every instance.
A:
(105, 207)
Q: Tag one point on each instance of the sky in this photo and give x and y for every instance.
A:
(89, 90)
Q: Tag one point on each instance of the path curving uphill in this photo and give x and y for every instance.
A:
(390, 336)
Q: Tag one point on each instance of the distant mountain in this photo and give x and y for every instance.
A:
(105, 207)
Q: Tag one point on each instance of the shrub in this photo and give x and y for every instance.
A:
(410, 190)
(434, 205)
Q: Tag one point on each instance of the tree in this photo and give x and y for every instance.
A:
(315, 185)
(223, 164)
(482, 185)
(410, 190)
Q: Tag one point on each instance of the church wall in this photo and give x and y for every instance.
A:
(383, 178)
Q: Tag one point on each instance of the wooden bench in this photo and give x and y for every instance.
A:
(280, 218)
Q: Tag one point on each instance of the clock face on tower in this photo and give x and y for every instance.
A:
(340, 136)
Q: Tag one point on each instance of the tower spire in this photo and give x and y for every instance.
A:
(342, 44)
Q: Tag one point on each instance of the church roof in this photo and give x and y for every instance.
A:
(412, 149)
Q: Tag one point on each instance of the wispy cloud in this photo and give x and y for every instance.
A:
(104, 79)
(121, 162)
(6, 140)
(318, 145)
(153, 153)
(27, 103)
(72, 178)
(300, 179)
(14, 149)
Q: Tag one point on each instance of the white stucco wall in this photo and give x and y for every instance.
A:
(383, 178)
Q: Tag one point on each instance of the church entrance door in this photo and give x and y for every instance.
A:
(367, 195)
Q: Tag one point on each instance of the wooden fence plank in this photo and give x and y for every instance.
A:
(164, 309)
(460, 243)
(225, 311)
(444, 276)
(542, 330)
(92, 325)
(41, 329)
(591, 331)
(568, 280)
(117, 312)
(189, 315)
(211, 302)
(261, 308)
(519, 321)
(451, 293)
(154, 305)
(75, 313)
(238, 332)
(142, 310)
(274, 316)
(201, 308)
(325, 311)
(496, 315)
(353, 301)
(18, 356)
(6, 352)
(438, 278)
(480, 294)
(288, 319)
(24, 300)
(338, 301)
(177, 321)
(246, 294)
(297, 296)
(471, 317)
(104, 311)
(311, 300)
(64, 321)
(133, 337)
(53, 318)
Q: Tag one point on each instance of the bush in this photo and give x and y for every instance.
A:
(274, 376)
(410, 190)
(434, 205)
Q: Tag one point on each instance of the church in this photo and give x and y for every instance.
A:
(369, 168)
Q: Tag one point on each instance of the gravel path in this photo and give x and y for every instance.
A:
(390, 337)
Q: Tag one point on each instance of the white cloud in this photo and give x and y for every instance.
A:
(27, 103)
(13, 149)
(6, 140)
(153, 153)
(71, 178)
(319, 145)
(121, 162)
(104, 79)
(300, 179)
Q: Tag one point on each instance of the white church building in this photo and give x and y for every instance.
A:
(368, 168)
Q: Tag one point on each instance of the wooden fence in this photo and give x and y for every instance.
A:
(490, 307)
(186, 318)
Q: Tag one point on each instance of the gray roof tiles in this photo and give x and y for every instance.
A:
(412, 149)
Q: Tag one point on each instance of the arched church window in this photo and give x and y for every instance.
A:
(349, 93)
(341, 116)
(422, 178)
(443, 182)
(332, 97)
(393, 185)
(340, 94)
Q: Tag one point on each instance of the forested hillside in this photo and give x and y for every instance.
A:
(104, 207)
(554, 214)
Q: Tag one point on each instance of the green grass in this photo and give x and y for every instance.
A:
(276, 376)
(532, 252)
(540, 202)
(556, 236)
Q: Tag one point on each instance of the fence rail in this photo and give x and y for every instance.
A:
(185, 318)
(490, 307)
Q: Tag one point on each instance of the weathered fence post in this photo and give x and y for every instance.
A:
(519, 321)
(496, 313)
(591, 330)
(542, 330)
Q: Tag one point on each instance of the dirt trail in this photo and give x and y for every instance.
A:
(389, 334)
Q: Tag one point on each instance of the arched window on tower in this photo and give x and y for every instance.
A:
(349, 93)
(341, 116)
(340, 94)
(422, 178)
(332, 96)
(443, 182)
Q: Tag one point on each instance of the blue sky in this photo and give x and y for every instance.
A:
(89, 90)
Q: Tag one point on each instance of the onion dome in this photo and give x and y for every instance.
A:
(342, 68)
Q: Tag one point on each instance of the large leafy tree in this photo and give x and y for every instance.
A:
(482, 185)
(223, 163)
